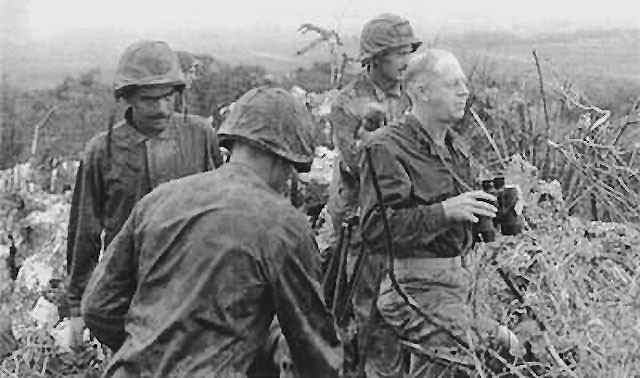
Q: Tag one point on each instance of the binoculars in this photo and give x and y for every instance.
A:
(507, 221)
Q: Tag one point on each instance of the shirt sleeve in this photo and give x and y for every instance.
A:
(111, 288)
(85, 227)
(411, 224)
(306, 323)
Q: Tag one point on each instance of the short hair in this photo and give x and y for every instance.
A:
(424, 66)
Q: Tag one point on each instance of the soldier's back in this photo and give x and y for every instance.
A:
(210, 246)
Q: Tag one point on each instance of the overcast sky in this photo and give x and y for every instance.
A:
(50, 16)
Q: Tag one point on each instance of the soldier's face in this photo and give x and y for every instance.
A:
(448, 90)
(152, 103)
(192, 74)
(393, 62)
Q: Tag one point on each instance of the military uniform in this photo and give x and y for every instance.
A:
(107, 189)
(414, 176)
(191, 284)
(121, 166)
(347, 116)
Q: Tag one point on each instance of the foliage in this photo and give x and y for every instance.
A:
(84, 104)
(579, 278)
(584, 147)
(37, 225)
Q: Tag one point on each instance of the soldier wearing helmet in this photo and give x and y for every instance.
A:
(373, 99)
(150, 146)
(190, 66)
(191, 284)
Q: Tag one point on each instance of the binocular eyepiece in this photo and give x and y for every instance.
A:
(507, 221)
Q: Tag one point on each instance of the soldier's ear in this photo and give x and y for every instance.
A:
(423, 92)
(414, 92)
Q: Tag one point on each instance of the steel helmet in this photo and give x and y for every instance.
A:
(384, 32)
(148, 63)
(273, 120)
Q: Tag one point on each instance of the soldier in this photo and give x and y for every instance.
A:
(191, 284)
(150, 146)
(190, 66)
(373, 99)
(385, 45)
(424, 175)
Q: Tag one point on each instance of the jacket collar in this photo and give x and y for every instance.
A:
(381, 95)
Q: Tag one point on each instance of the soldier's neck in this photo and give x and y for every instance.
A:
(387, 84)
(433, 126)
(268, 167)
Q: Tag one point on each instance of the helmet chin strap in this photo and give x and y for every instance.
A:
(185, 105)
(112, 121)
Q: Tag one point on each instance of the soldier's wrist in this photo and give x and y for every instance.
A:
(435, 216)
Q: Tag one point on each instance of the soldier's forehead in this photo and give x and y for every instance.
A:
(154, 90)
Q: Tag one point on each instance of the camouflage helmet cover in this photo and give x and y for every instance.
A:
(273, 120)
(384, 32)
(147, 63)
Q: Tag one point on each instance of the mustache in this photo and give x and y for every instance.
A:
(158, 116)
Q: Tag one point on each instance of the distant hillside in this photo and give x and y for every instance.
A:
(603, 63)
(44, 61)
(587, 55)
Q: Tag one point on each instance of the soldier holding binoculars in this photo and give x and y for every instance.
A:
(418, 170)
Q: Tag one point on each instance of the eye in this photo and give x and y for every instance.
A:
(456, 83)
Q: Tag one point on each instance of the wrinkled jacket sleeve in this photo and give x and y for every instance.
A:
(111, 288)
(72, 226)
(85, 227)
(344, 127)
(411, 224)
(215, 159)
(307, 324)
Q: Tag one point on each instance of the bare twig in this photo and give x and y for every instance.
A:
(628, 121)
(579, 105)
(42, 123)
(511, 367)
(546, 115)
(556, 356)
(488, 135)
(476, 360)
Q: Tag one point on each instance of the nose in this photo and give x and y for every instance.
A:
(163, 105)
(464, 90)
(404, 61)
